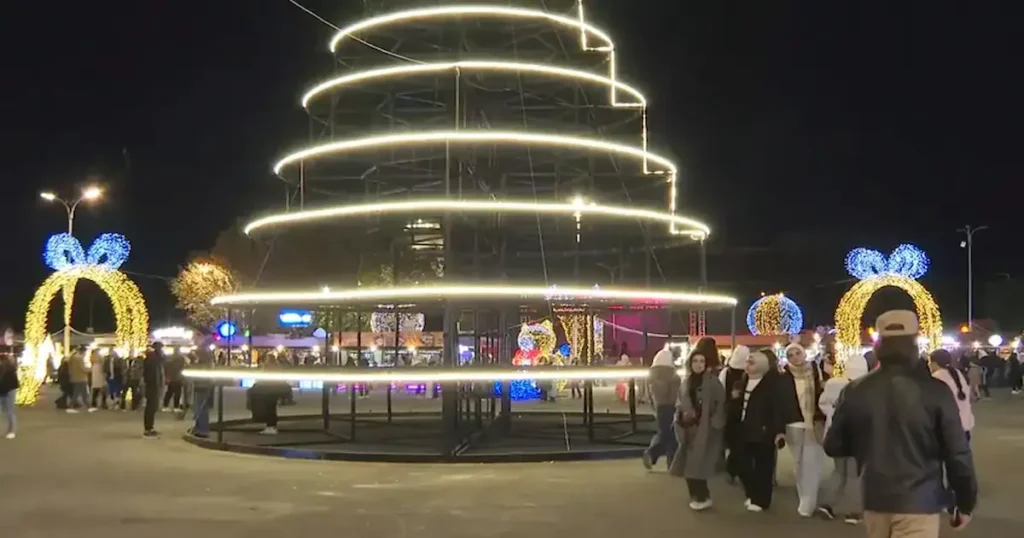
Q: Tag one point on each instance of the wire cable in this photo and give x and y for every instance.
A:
(354, 38)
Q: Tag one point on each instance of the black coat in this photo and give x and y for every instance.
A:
(905, 430)
(769, 409)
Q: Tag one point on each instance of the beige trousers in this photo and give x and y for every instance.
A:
(881, 525)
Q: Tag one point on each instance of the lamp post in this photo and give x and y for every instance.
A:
(969, 245)
(88, 194)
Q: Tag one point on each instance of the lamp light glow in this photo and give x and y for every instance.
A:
(995, 340)
(91, 193)
(48, 196)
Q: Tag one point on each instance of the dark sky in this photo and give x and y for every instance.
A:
(806, 128)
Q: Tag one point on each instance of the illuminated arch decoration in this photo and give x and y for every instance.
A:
(775, 314)
(901, 269)
(100, 264)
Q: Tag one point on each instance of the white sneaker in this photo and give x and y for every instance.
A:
(10, 436)
(93, 409)
(698, 506)
(71, 411)
(165, 410)
(754, 508)
(746, 503)
(269, 430)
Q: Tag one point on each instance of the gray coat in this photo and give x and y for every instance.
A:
(701, 445)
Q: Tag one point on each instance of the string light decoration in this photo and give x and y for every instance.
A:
(384, 322)
(901, 269)
(575, 326)
(72, 263)
(775, 314)
(197, 283)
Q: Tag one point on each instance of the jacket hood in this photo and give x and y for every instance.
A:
(663, 358)
(855, 367)
(738, 359)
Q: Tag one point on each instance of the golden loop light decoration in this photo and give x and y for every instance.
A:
(901, 269)
(71, 263)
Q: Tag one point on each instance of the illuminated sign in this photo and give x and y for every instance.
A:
(295, 318)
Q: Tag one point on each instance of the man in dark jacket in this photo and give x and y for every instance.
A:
(153, 379)
(904, 429)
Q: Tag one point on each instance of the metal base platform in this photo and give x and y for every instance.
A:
(416, 437)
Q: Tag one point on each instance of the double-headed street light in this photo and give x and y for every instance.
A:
(88, 194)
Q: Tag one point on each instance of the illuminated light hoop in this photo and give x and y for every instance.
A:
(492, 137)
(901, 269)
(430, 292)
(691, 226)
(775, 314)
(386, 375)
(412, 69)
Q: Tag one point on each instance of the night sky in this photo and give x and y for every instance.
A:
(806, 129)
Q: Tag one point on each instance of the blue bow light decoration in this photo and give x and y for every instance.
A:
(108, 251)
(906, 260)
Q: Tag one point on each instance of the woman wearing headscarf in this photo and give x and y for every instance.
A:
(805, 432)
(940, 363)
(841, 492)
(732, 378)
(762, 424)
(664, 383)
(701, 427)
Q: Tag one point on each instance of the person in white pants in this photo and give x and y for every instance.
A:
(805, 434)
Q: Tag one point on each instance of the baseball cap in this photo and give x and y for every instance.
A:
(897, 323)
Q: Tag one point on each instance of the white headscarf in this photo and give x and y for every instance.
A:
(663, 358)
(738, 359)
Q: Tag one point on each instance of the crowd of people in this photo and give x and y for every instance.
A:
(896, 425)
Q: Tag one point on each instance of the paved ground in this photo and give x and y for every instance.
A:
(88, 476)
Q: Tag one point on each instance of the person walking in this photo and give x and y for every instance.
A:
(174, 368)
(9, 393)
(78, 375)
(1015, 373)
(940, 364)
(203, 393)
(98, 381)
(804, 436)
(731, 378)
(132, 383)
(841, 493)
(763, 423)
(152, 377)
(664, 383)
(701, 423)
(905, 431)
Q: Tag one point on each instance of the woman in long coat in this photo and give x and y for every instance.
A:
(701, 430)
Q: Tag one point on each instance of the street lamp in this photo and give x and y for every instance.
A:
(88, 194)
(968, 244)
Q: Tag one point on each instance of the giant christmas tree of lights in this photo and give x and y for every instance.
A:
(497, 138)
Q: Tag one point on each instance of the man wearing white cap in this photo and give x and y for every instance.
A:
(904, 430)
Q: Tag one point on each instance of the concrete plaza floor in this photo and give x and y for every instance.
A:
(91, 475)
